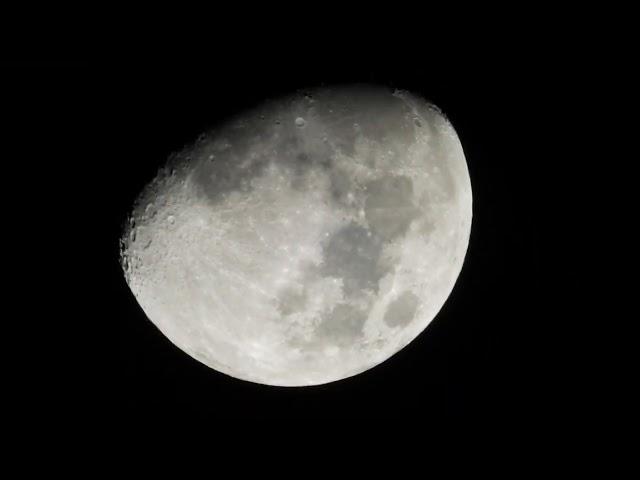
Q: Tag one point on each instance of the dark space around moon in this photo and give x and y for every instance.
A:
(472, 362)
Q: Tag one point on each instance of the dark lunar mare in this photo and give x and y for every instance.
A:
(230, 157)
(246, 145)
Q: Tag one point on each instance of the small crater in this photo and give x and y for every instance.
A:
(150, 211)
(300, 122)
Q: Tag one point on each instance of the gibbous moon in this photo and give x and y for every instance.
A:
(306, 240)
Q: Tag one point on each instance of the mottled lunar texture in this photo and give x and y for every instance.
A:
(307, 240)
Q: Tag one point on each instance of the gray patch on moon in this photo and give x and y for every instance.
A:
(363, 105)
(341, 186)
(402, 310)
(233, 168)
(389, 209)
(354, 255)
(228, 173)
(250, 146)
(342, 325)
(291, 301)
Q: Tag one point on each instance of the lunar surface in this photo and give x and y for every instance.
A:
(306, 240)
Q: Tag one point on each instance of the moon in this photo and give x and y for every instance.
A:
(306, 240)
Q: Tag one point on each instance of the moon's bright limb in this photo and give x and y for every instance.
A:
(305, 241)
